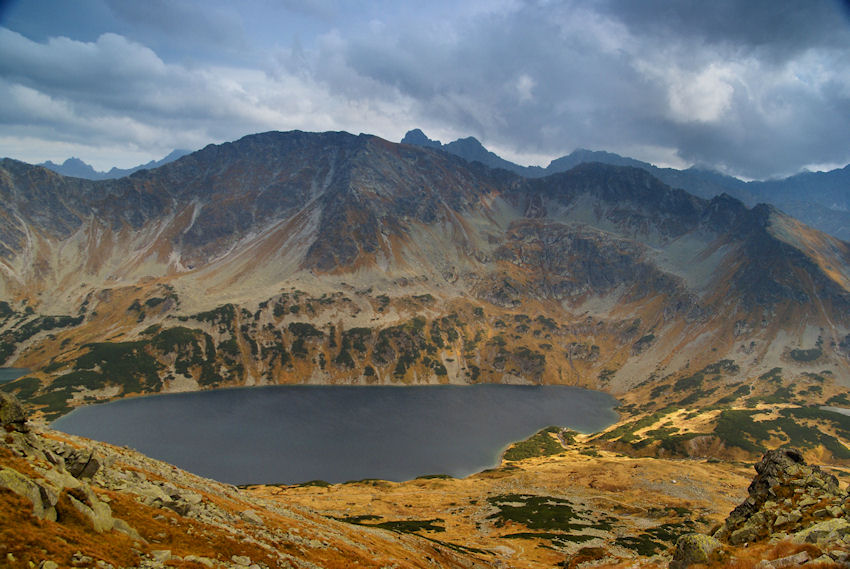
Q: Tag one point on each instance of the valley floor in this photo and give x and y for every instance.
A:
(543, 511)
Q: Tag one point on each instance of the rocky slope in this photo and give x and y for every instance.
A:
(794, 514)
(332, 258)
(71, 502)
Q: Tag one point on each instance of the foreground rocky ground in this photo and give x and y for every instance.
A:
(559, 502)
(71, 502)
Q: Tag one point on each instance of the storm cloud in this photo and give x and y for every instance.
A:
(755, 89)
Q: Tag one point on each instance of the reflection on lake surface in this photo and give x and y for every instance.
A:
(290, 434)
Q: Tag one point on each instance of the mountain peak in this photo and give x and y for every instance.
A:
(75, 168)
(469, 142)
(418, 138)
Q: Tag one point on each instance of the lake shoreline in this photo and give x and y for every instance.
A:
(524, 408)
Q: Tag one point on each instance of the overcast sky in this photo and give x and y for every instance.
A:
(754, 88)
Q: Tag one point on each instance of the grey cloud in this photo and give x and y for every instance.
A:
(714, 81)
(755, 88)
(781, 27)
(117, 93)
(471, 82)
(111, 89)
(182, 26)
(323, 9)
(71, 65)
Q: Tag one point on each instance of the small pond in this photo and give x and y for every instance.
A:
(10, 373)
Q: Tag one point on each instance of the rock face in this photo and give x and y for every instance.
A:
(788, 500)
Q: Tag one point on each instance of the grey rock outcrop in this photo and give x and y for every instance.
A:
(788, 561)
(13, 417)
(784, 494)
(788, 500)
(62, 470)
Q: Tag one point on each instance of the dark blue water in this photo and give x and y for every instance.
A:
(10, 373)
(290, 434)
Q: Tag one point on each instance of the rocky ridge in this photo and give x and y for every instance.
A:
(817, 198)
(790, 503)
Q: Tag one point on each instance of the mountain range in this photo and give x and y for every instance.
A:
(76, 168)
(819, 199)
(332, 258)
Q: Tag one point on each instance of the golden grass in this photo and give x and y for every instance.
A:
(32, 540)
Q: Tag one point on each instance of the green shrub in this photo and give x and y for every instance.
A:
(689, 383)
(23, 387)
(734, 426)
(643, 544)
(221, 315)
(358, 337)
(305, 330)
(534, 512)
(122, 363)
(412, 526)
(541, 443)
(809, 355)
(840, 399)
(320, 484)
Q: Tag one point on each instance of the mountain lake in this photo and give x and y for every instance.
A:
(294, 434)
(10, 373)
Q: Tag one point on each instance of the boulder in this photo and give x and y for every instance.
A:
(80, 560)
(59, 478)
(161, 555)
(205, 561)
(826, 532)
(693, 548)
(125, 528)
(99, 514)
(81, 463)
(791, 517)
(783, 562)
(29, 489)
(251, 516)
(13, 417)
